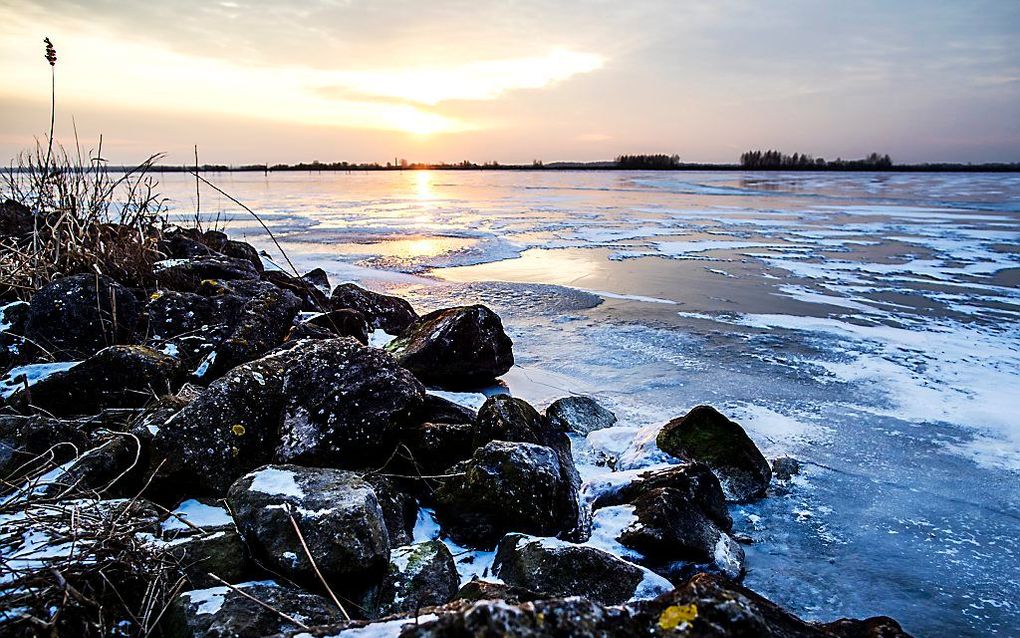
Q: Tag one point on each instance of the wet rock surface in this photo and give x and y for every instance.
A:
(75, 317)
(388, 313)
(225, 612)
(337, 513)
(706, 436)
(114, 377)
(558, 569)
(455, 347)
(504, 487)
(582, 415)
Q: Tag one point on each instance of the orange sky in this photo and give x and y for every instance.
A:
(516, 81)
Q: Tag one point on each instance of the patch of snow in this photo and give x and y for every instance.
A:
(198, 514)
(203, 367)
(277, 482)
(16, 378)
(210, 600)
(379, 338)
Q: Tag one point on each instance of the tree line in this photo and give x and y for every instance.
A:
(772, 159)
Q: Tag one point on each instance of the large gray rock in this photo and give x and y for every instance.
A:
(188, 274)
(419, 575)
(676, 538)
(114, 377)
(507, 487)
(389, 313)
(706, 436)
(579, 414)
(505, 418)
(222, 325)
(230, 429)
(345, 404)
(337, 512)
(694, 483)
(559, 568)
(222, 612)
(75, 317)
(455, 347)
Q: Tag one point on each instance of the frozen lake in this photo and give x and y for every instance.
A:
(866, 324)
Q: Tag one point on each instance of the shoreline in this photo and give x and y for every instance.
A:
(427, 346)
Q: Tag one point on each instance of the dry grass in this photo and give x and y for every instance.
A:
(85, 218)
(74, 564)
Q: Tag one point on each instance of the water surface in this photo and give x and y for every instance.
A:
(863, 323)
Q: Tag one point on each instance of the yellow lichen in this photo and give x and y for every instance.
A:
(676, 615)
(237, 429)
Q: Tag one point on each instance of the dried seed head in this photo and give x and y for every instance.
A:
(51, 53)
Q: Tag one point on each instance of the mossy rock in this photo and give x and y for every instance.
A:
(706, 436)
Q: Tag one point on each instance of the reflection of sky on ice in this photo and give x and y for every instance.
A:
(865, 324)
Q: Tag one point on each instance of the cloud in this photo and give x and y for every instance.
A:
(484, 80)
(95, 68)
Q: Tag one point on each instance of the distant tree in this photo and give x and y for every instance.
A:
(649, 162)
(773, 159)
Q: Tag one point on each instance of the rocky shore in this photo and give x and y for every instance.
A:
(246, 452)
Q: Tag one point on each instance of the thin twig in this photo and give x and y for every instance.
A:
(276, 611)
(301, 537)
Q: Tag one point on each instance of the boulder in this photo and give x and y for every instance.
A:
(30, 443)
(202, 537)
(693, 482)
(432, 448)
(307, 331)
(579, 414)
(222, 325)
(312, 299)
(343, 323)
(16, 220)
(400, 510)
(230, 429)
(419, 575)
(785, 468)
(188, 274)
(505, 418)
(436, 409)
(456, 347)
(345, 404)
(389, 313)
(179, 245)
(676, 538)
(317, 277)
(13, 350)
(507, 487)
(75, 317)
(558, 568)
(338, 515)
(114, 377)
(553, 618)
(475, 590)
(706, 436)
(107, 464)
(223, 612)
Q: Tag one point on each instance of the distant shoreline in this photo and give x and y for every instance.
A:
(570, 166)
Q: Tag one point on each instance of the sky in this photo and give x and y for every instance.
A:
(514, 80)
